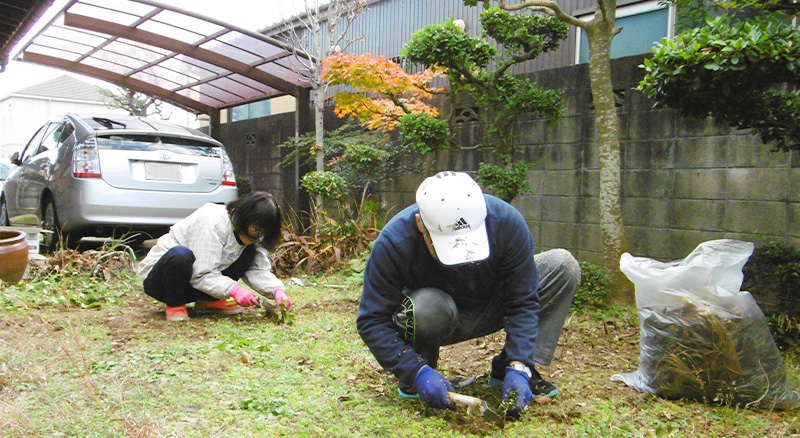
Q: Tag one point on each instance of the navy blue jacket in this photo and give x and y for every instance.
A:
(400, 259)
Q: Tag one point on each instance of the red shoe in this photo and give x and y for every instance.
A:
(177, 313)
(219, 307)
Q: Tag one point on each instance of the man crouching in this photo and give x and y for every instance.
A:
(458, 265)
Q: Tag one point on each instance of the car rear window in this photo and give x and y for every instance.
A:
(158, 143)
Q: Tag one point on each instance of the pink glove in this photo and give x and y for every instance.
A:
(280, 297)
(243, 296)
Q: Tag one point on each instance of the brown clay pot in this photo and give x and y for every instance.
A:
(13, 255)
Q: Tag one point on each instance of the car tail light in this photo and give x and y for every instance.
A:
(85, 160)
(228, 178)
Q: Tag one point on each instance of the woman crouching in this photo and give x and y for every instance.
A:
(204, 255)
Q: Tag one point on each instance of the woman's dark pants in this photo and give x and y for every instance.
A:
(168, 281)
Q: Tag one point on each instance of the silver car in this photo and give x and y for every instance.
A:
(109, 175)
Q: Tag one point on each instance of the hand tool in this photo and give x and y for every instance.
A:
(302, 282)
(269, 309)
(474, 402)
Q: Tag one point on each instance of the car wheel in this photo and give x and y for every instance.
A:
(50, 223)
(4, 222)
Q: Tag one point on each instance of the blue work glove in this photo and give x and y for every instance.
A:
(433, 388)
(518, 382)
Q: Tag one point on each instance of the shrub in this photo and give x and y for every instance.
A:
(424, 133)
(506, 182)
(325, 246)
(326, 184)
(243, 185)
(772, 276)
(785, 330)
(592, 292)
(359, 157)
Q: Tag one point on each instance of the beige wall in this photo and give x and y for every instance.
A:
(283, 104)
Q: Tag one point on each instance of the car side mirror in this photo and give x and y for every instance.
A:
(15, 159)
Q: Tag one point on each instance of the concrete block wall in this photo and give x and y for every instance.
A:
(684, 180)
(253, 148)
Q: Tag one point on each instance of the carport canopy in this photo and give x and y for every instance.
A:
(195, 62)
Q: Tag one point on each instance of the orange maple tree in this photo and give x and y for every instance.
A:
(399, 93)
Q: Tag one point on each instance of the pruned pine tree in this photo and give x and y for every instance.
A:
(600, 30)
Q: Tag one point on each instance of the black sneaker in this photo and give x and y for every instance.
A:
(498, 372)
(541, 389)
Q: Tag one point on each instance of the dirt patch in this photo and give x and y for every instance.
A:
(335, 306)
(585, 346)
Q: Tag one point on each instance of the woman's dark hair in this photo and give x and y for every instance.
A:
(259, 209)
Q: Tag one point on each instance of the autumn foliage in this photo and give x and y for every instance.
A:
(399, 93)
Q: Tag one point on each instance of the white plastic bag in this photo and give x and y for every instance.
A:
(701, 338)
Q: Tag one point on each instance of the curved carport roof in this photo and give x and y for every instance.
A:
(195, 62)
(17, 18)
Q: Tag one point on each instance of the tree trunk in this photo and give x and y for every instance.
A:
(607, 126)
(319, 129)
(319, 97)
(319, 107)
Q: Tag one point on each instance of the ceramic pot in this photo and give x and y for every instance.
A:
(13, 255)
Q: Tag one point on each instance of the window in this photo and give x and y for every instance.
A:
(259, 109)
(241, 112)
(262, 108)
(250, 111)
(4, 170)
(51, 137)
(644, 25)
(33, 145)
(66, 132)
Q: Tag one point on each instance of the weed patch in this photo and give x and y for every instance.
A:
(118, 369)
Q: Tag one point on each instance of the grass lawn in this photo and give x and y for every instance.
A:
(82, 358)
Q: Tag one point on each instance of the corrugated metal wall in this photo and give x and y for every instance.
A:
(389, 24)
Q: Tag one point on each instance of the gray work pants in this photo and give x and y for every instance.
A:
(429, 318)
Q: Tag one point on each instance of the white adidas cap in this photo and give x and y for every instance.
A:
(453, 210)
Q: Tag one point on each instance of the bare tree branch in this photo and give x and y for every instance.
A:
(304, 32)
(300, 32)
(134, 102)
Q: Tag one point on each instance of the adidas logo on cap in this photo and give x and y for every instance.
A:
(461, 225)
